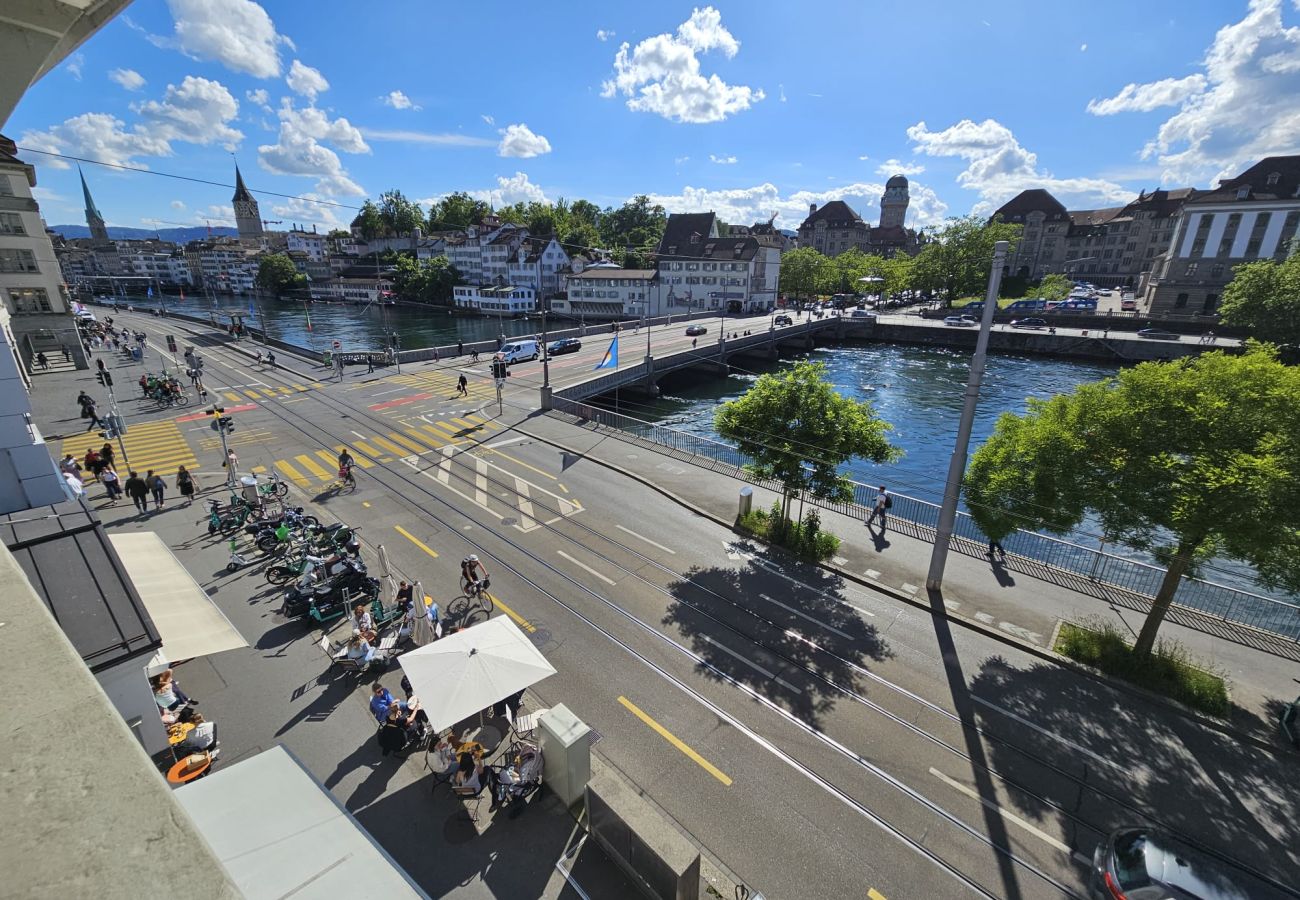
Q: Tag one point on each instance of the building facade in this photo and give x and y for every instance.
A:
(612, 293)
(699, 270)
(309, 242)
(540, 263)
(1251, 217)
(835, 227)
(248, 217)
(495, 300)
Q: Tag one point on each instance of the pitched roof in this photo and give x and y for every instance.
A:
(725, 249)
(685, 232)
(241, 192)
(1034, 200)
(1286, 187)
(836, 214)
(1086, 217)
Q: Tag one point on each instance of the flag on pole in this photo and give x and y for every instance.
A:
(182, 292)
(307, 310)
(149, 292)
(610, 359)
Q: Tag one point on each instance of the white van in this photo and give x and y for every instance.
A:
(517, 350)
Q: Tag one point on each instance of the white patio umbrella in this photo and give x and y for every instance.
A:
(386, 572)
(466, 672)
(422, 627)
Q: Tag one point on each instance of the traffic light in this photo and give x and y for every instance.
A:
(104, 378)
(99, 376)
(171, 343)
(227, 424)
(99, 364)
(500, 369)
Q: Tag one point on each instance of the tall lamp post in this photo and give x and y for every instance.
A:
(957, 464)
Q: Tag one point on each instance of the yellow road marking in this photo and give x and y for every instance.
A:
(675, 741)
(443, 431)
(231, 396)
(873, 894)
(389, 446)
(366, 504)
(293, 473)
(407, 442)
(562, 487)
(317, 384)
(369, 450)
(299, 388)
(312, 466)
(416, 541)
(468, 425)
(433, 442)
(259, 470)
(361, 460)
(284, 390)
(253, 395)
(519, 620)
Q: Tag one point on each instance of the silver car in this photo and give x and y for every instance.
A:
(1139, 863)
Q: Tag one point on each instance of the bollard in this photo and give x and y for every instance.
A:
(746, 501)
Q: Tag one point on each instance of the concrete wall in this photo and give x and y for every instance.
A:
(127, 688)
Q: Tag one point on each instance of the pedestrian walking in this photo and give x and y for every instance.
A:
(138, 491)
(460, 348)
(92, 463)
(370, 363)
(157, 487)
(41, 361)
(69, 465)
(106, 454)
(462, 386)
(694, 343)
(231, 462)
(879, 508)
(67, 354)
(185, 484)
(435, 354)
(108, 475)
(74, 484)
(995, 547)
(91, 412)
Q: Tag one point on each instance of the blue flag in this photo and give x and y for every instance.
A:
(149, 293)
(610, 359)
(250, 307)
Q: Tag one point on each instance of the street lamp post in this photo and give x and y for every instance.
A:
(957, 464)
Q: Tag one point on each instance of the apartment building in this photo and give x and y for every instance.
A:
(612, 293)
(697, 269)
(540, 263)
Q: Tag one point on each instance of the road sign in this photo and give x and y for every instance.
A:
(338, 345)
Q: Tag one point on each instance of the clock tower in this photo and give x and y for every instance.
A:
(248, 218)
(893, 205)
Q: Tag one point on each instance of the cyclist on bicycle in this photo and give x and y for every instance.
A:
(346, 462)
(469, 569)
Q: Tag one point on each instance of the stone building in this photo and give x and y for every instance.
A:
(1251, 217)
(835, 227)
(248, 217)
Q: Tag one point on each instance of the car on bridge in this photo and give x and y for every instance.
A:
(563, 345)
(1029, 323)
(1157, 334)
(961, 321)
(1147, 862)
(783, 320)
(692, 330)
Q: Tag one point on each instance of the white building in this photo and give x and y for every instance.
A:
(224, 265)
(699, 270)
(309, 242)
(612, 293)
(164, 268)
(541, 264)
(501, 300)
(360, 283)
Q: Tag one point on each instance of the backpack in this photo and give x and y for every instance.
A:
(889, 502)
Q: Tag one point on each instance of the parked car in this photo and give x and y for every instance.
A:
(783, 320)
(1146, 862)
(563, 345)
(692, 330)
(1156, 334)
(1029, 323)
(962, 321)
(862, 314)
(1035, 303)
(1128, 304)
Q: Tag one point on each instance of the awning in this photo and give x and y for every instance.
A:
(279, 833)
(189, 623)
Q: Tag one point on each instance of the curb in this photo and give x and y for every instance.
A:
(1045, 654)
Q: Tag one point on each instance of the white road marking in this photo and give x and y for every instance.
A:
(984, 617)
(871, 573)
(803, 615)
(480, 482)
(908, 588)
(839, 560)
(1043, 731)
(359, 435)
(753, 665)
(585, 567)
(527, 520)
(506, 443)
(1014, 819)
(1020, 632)
(444, 465)
(646, 539)
(952, 604)
(393, 391)
(732, 554)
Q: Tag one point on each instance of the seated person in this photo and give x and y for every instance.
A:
(405, 597)
(360, 651)
(380, 700)
(412, 718)
(470, 773)
(363, 623)
(167, 693)
(444, 756)
(393, 736)
(203, 736)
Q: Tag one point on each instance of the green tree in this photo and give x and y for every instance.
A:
(1264, 296)
(399, 215)
(1055, 287)
(801, 271)
(424, 281)
(897, 271)
(636, 225)
(841, 273)
(1183, 459)
(958, 260)
(276, 273)
(798, 430)
(369, 222)
(456, 211)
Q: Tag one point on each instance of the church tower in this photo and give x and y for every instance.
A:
(893, 205)
(248, 218)
(98, 232)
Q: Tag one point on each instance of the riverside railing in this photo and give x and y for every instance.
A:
(1080, 564)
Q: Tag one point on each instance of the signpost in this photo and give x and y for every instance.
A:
(500, 372)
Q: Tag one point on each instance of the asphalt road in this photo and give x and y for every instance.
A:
(825, 740)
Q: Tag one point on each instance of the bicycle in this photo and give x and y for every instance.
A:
(473, 593)
(275, 487)
(345, 480)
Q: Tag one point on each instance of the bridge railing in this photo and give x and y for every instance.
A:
(1030, 549)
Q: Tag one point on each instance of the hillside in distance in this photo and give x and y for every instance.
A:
(175, 235)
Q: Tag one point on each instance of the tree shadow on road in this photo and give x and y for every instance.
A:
(806, 633)
(1156, 765)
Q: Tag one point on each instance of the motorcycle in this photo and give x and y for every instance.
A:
(329, 600)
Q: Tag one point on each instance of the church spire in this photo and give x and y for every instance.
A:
(94, 221)
(241, 192)
(248, 218)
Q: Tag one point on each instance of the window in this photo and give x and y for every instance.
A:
(1274, 178)
(1252, 249)
(1180, 301)
(1216, 270)
(1151, 252)
(11, 223)
(18, 261)
(1211, 303)
(1131, 246)
(6, 186)
(1107, 254)
(1191, 270)
(1243, 192)
(30, 300)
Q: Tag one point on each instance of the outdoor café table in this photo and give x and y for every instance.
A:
(179, 732)
(177, 774)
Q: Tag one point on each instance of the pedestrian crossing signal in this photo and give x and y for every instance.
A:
(171, 343)
(499, 369)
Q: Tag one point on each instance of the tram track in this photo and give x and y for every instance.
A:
(411, 478)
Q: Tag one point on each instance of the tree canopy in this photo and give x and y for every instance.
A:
(1055, 287)
(399, 215)
(277, 273)
(1184, 459)
(801, 271)
(1264, 296)
(424, 280)
(369, 222)
(958, 260)
(798, 430)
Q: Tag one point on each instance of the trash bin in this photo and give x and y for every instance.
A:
(746, 501)
(249, 488)
(329, 358)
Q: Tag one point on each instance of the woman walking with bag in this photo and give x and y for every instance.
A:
(111, 482)
(185, 484)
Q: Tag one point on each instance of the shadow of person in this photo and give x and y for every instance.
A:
(1001, 573)
(878, 539)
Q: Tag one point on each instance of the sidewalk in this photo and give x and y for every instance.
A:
(1014, 606)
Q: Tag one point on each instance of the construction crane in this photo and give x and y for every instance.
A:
(266, 222)
(207, 222)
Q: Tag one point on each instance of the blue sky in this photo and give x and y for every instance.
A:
(744, 108)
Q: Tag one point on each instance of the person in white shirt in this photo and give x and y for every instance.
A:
(879, 508)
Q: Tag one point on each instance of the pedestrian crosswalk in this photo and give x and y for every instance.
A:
(153, 445)
(415, 438)
(267, 392)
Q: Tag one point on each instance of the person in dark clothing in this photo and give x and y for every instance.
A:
(138, 491)
(91, 412)
(185, 484)
(995, 547)
(460, 348)
(106, 453)
(370, 363)
(462, 386)
(41, 361)
(157, 487)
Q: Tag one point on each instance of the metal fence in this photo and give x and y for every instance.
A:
(1037, 551)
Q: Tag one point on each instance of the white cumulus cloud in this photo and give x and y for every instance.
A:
(662, 74)
(896, 167)
(520, 142)
(299, 151)
(178, 204)
(998, 167)
(259, 98)
(722, 160)
(603, 34)
(397, 100)
(515, 189)
(305, 213)
(236, 33)
(1149, 96)
(127, 78)
(305, 80)
(1238, 109)
(98, 136)
(75, 62)
(195, 112)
